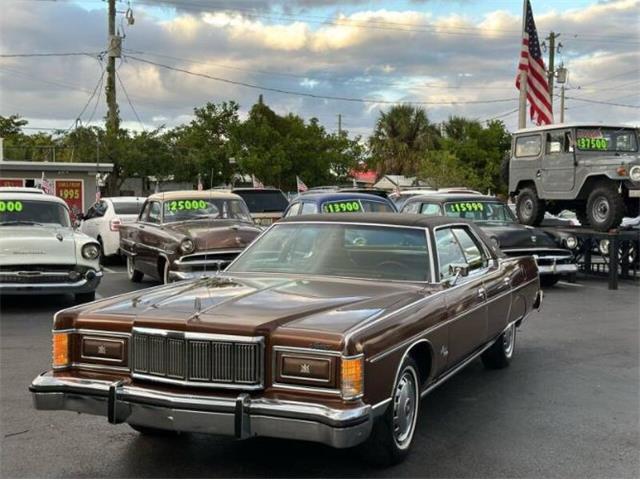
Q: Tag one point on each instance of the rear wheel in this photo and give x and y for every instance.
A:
(133, 274)
(392, 433)
(605, 207)
(529, 208)
(499, 355)
(155, 432)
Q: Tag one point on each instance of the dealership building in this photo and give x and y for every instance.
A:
(75, 183)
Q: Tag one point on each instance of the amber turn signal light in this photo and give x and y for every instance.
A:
(60, 350)
(352, 377)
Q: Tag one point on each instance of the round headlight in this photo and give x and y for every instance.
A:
(91, 251)
(187, 245)
(495, 242)
(571, 242)
(634, 173)
(604, 246)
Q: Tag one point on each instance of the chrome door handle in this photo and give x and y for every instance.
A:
(482, 293)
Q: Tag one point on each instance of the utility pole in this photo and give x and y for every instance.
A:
(339, 124)
(552, 56)
(562, 104)
(114, 51)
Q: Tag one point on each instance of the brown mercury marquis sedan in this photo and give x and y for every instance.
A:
(327, 328)
(186, 234)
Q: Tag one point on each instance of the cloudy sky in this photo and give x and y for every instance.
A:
(456, 57)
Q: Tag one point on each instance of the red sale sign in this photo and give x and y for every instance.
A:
(11, 182)
(71, 191)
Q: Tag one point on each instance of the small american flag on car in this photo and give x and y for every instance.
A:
(300, 185)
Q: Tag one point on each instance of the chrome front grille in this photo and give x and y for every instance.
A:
(185, 358)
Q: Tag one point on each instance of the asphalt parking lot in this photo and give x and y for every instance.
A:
(568, 406)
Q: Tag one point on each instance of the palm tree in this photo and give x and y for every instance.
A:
(401, 137)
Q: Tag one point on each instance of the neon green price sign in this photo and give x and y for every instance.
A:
(588, 143)
(459, 207)
(178, 205)
(341, 207)
(10, 206)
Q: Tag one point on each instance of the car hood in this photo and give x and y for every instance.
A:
(210, 234)
(248, 305)
(33, 244)
(514, 235)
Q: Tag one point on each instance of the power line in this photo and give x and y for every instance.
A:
(79, 117)
(65, 54)
(313, 95)
(124, 90)
(602, 102)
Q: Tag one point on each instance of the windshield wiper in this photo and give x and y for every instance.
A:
(21, 222)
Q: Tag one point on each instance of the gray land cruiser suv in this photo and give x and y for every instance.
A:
(593, 170)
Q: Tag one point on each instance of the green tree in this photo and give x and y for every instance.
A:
(401, 138)
(277, 148)
(205, 146)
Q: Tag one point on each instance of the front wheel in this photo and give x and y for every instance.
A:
(499, 355)
(605, 208)
(529, 208)
(392, 433)
(134, 275)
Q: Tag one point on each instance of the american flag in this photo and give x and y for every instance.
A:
(541, 108)
(300, 185)
(256, 183)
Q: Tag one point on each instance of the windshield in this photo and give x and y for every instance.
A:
(127, 208)
(213, 208)
(261, 201)
(341, 206)
(340, 250)
(606, 139)
(479, 211)
(33, 212)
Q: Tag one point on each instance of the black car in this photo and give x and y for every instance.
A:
(553, 252)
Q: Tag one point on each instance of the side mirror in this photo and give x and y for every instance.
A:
(458, 270)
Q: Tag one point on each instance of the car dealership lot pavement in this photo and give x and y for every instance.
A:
(568, 406)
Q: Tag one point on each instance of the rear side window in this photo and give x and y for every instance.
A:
(263, 201)
(413, 207)
(529, 146)
(430, 209)
(379, 207)
(293, 210)
(308, 208)
(127, 208)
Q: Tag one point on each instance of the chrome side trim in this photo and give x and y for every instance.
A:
(467, 361)
(86, 331)
(384, 353)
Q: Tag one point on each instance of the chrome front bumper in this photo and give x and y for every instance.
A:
(557, 269)
(242, 416)
(84, 285)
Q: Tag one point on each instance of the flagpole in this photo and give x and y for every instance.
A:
(522, 111)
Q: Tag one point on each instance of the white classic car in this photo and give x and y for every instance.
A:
(40, 253)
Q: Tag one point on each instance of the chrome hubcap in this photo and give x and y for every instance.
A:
(600, 210)
(527, 207)
(509, 341)
(405, 404)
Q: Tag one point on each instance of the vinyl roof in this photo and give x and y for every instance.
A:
(194, 194)
(396, 219)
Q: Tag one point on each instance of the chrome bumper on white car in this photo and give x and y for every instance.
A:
(241, 416)
(47, 283)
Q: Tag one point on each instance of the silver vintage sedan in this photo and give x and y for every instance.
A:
(40, 253)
